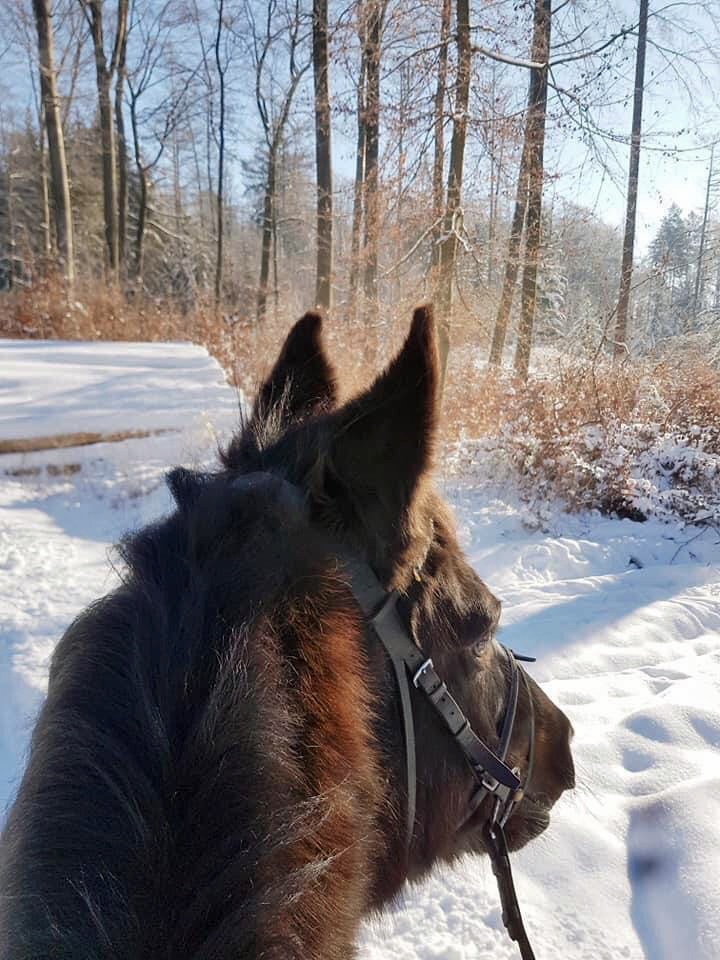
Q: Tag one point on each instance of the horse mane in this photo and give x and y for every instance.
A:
(183, 714)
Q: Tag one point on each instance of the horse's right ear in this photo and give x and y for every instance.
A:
(380, 444)
(302, 382)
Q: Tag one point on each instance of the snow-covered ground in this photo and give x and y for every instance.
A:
(51, 387)
(624, 619)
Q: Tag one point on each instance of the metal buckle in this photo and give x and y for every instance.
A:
(427, 665)
(497, 789)
(506, 798)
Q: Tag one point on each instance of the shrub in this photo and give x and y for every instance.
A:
(635, 440)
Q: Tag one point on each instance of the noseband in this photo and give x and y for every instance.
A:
(493, 776)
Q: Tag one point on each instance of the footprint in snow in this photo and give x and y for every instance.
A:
(636, 761)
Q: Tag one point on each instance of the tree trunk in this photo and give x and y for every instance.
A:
(448, 245)
(267, 236)
(10, 202)
(107, 137)
(439, 132)
(104, 73)
(62, 213)
(494, 180)
(109, 177)
(221, 162)
(512, 262)
(140, 234)
(323, 273)
(536, 172)
(620, 348)
(701, 250)
(372, 151)
(122, 157)
(138, 264)
(276, 285)
(45, 201)
(359, 189)
(198, 177)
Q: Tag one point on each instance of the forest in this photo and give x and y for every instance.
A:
(545, 173)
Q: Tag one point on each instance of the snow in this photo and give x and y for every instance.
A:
(630, 866)
(623, 617)
(58, 387)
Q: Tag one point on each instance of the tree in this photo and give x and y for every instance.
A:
(448, 245)
(104, 71)
(56, 144)
(697, 293)
(122, 151)
(535, 133)
(360, 158)
(323, 164)
(274, 117)
(439, 131)
(672, 253)
(221, 71)
(512, 260)
(376, 14)
(159, 121)
(620, 347)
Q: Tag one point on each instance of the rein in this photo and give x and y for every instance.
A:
(493, 776)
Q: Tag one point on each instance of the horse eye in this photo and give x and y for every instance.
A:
(479, 645)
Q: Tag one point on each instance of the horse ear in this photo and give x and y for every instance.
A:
(302, 381)
(382, 442)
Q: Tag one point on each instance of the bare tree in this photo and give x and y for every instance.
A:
(512, 260)
(45, 225)
(159, 121)
(439, 130)
(122, 151)
(56, 143)
(703, 233)
(104, 71)
(453, 212)
(359, 184)
(373, 35)
(274, 118)
(620, 348)
(221, 67)
(323, 162)
(536, 173)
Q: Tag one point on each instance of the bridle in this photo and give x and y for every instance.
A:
(493, 776)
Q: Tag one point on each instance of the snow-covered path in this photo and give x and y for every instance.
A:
(625, 621)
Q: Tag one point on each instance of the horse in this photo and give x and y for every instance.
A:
(219, 767)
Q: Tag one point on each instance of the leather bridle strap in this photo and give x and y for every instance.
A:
(380, 609)
(492, 773)
(496, 844)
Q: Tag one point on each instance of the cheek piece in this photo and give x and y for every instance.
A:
(494, 778)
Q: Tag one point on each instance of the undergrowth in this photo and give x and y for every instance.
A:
(638, 439)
